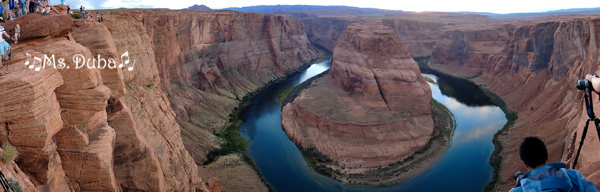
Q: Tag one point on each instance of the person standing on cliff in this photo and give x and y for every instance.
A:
(31, 6)
(4, 46)
(17, 33)
(82, 9)
(547, 177)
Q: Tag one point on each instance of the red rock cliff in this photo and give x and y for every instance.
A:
(374, 109)
(90, 129)
(533, 67)
(208, 61)
(113, 129)
(531, 64)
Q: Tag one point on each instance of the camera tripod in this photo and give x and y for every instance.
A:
(587, 87)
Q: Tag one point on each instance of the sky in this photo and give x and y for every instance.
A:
(493, 6)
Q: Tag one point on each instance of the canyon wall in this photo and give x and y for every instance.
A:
(374, 108)
(535, 74)
(326, 31)
(89, 128)
(131, 128)
(531, 64)
(210, 60)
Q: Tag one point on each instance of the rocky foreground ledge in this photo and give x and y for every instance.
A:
(372, 110)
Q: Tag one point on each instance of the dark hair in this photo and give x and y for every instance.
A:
(533, 152)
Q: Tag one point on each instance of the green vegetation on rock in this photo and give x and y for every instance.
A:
(9, 153)
(76, 16)
(495, 158)
(284, 95)
(16, 186)
(430, 80)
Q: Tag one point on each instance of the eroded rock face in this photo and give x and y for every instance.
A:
(36, 25)
(532, 66)
(208, 61)
(371, 61)
(374, 109)
(31, 116)
(325, 31)
(83, 129)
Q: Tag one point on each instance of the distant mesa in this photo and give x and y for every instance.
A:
(199, 8)
(310, 11)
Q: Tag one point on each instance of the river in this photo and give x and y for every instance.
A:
(464, 166)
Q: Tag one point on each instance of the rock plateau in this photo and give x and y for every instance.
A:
(373, 109)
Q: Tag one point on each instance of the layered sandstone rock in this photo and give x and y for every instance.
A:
(133, 155)
(325, 32)
(208, 61)
(91, 129)
(374, 109)
(532, 66)
(31, 116)
(12, 171)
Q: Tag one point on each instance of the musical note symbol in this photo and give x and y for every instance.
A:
(131, 68)
(126, 61)
(27, 62)
(40, 65)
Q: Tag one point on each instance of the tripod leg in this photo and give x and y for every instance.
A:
(21, 49)
(597, 122)
(587, 123)
(5, 184)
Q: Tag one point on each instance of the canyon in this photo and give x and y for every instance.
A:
(531, 64)
(372, 109)
(146, 128)
(149, 128)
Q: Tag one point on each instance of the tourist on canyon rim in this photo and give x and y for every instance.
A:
(542, 176)
(27, 2)
(81, 8)
(31, 6)
(44, 7)
(18, 9)
(47, 9)
(4, 46)
(22, 5)
(17, 33)
(11, 8)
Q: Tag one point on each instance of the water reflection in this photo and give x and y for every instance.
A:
(464, 167)
(462, 90)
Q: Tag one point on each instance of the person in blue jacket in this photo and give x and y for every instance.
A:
(547, 177)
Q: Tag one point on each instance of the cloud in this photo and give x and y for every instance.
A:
(487, 130)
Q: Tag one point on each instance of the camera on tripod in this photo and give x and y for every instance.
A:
(586, 86)
(582, 84)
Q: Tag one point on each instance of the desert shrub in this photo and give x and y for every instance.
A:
(14, 184)
(76, 16)
(9, 153)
